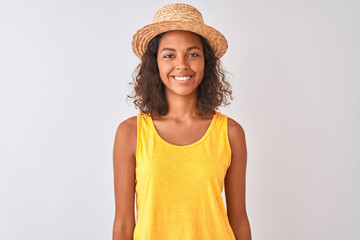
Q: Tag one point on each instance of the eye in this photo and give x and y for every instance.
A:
(168, 56)
(194, 55)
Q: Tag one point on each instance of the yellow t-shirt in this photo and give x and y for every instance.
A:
(178, 188)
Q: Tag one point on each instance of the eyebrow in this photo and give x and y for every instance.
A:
(188, 49)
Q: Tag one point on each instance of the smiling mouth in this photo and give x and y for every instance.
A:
(182, 78)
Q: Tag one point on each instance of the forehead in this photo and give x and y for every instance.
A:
(178, 38)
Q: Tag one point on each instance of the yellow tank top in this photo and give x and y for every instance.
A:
(178, 188)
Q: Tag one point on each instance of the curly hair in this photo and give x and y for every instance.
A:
(212, 92)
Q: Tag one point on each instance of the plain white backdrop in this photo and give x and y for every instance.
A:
(65, 68)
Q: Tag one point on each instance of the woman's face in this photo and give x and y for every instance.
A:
(181, 62)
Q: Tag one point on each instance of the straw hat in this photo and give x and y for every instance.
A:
(178, 16)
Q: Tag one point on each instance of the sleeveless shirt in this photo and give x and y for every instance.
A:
(178, 188)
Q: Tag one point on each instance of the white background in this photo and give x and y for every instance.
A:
(65, 68)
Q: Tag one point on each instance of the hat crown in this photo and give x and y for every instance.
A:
(178, 16)
(178, 12)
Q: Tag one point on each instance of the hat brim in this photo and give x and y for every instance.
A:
(142, 37)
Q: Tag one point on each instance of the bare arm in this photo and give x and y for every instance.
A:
(235, 182)
(124, 179)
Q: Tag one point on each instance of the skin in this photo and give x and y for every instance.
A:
(180, 53)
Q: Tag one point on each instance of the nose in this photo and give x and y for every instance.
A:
(182, 64)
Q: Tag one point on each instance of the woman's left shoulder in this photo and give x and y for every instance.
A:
(235, 129)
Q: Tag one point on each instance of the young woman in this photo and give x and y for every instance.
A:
(179, 151)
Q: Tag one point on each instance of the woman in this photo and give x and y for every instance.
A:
(178, 152)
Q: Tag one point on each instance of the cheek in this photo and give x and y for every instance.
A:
(200, 67)
(162, 67)
(164, 70)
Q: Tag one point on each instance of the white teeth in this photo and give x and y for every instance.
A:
(182, 78)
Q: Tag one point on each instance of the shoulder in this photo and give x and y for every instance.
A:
(236, 132)
(126, 133)
(235, 127)
(238, 146)
(127, 126)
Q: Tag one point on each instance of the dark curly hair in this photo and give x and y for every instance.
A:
(212, 92)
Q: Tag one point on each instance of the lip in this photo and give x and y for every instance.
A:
(182, 81)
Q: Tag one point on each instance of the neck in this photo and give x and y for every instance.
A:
(181, 107)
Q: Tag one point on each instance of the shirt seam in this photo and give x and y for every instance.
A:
(205, 136)
(227, 140)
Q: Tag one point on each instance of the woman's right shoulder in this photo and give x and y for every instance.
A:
(126, 134)
(127, 126)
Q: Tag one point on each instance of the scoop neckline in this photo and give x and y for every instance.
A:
(188, 145)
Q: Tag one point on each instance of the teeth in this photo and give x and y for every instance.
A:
(182, 78)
